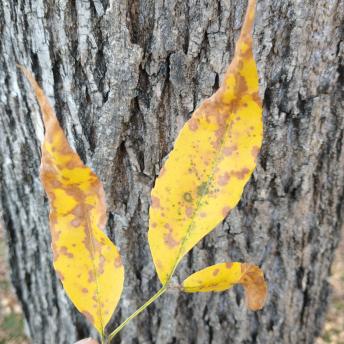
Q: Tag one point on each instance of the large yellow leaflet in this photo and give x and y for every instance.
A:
(220, 277)
(212, 160)
(86, 261)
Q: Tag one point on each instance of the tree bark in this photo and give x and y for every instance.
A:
(123, 76)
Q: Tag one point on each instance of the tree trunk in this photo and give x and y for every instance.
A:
(124, 75)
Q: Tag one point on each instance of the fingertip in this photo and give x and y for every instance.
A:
(87, 341)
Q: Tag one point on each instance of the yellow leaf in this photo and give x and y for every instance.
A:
(86, 261)
(212, 160)
(223, 276)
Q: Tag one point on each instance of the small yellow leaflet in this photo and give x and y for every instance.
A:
(220, 277)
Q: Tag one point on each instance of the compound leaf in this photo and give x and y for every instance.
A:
(86, 261)
(220, 277)
(212, 160)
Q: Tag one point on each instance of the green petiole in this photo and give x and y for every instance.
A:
(137, 312)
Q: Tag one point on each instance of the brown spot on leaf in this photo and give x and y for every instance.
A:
(219, 134)
(64, 251)
(76, 222)
(170, 241)
(64, 148)
(189, 211)
(224, 179)
(225, 211)
(255, 152)
(229, 265)
(187, 197)
(118, 262)
(216, 272)
(256, 98)
(159, 264)
(240, 85)
(155, 202)
(55, 183)
(72, 163)
(84, 290)
(55, 233)
(229, 150)
(193, 124)
(101, 264)
(78, 211)
(91, 276)
(242, 173)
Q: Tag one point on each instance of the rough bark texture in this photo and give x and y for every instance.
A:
(124, 75)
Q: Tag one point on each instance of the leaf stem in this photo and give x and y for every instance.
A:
(137, 312)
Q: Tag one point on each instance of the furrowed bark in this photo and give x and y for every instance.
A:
(123, 77)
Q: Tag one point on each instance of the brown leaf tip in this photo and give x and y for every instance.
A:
(255, 286)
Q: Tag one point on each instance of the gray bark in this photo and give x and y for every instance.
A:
(124, 75)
